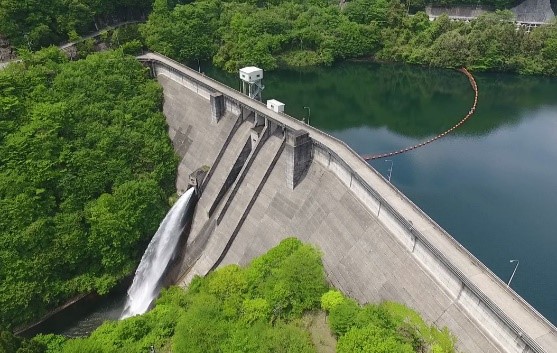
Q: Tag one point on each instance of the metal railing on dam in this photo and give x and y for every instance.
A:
(503, 315)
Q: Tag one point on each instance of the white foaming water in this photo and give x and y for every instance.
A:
(145, 287)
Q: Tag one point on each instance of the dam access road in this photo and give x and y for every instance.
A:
(271, 176)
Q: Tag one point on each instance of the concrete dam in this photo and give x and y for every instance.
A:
(270, 176)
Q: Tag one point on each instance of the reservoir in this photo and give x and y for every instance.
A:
(492, 184)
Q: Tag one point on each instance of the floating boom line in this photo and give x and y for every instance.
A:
(369, 157)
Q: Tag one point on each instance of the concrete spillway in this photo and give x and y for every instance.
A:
(272, 177)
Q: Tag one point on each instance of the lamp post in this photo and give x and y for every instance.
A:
(198, 66)
(309, 113)
(390, 170)
(517, 262)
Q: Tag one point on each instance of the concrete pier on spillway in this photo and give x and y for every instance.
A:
(271, 176)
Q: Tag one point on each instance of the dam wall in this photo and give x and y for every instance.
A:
(376, 244)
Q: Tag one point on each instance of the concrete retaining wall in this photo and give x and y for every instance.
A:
(185, 81)
(363, 225)
(434, 262)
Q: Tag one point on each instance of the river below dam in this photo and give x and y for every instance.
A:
(492, 183)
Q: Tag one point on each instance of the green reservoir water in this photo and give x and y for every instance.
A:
(492, 184)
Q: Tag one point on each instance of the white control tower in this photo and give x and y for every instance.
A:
(252, 78)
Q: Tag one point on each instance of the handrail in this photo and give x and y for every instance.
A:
(440, 256)
(404, 222)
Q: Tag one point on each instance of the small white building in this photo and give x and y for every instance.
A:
(251, 74)
(275, 105)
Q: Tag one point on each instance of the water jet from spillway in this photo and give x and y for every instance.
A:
(146, 283)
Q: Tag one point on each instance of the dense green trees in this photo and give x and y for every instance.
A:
(384, 328)
(297, 33)
(38, 23)
(187, 33)
(236, 33)
(261, 308)
(12, 344)
(489, 43)
(251, 309)
(86, 171)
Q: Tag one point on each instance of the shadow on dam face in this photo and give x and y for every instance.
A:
(400, 255)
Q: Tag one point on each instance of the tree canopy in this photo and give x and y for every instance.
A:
(235, 33)
(37, 23)
(86, 171)
(278, 33)
(261, 308)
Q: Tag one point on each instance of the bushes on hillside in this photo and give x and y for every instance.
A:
(384, 328)
(234, 34)
(262, 308)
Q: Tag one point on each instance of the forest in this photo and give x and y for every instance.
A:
(38, 23)
(268, 306)
(232, 34)
(87, 168)
(290, 33)
(86, 172)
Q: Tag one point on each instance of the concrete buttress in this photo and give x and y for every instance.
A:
(299, 154)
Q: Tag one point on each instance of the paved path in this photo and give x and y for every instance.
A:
(70, 44)
(97, 33)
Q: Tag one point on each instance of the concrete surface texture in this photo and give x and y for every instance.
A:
(183, 113)
(376, 244)
(533, 11)
(461, 11)
(360, 256)
(221, 236)
(528, 11)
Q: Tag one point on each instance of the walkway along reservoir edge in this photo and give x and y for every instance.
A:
(272, 176)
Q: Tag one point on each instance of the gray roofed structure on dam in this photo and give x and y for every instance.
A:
(529, 13)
